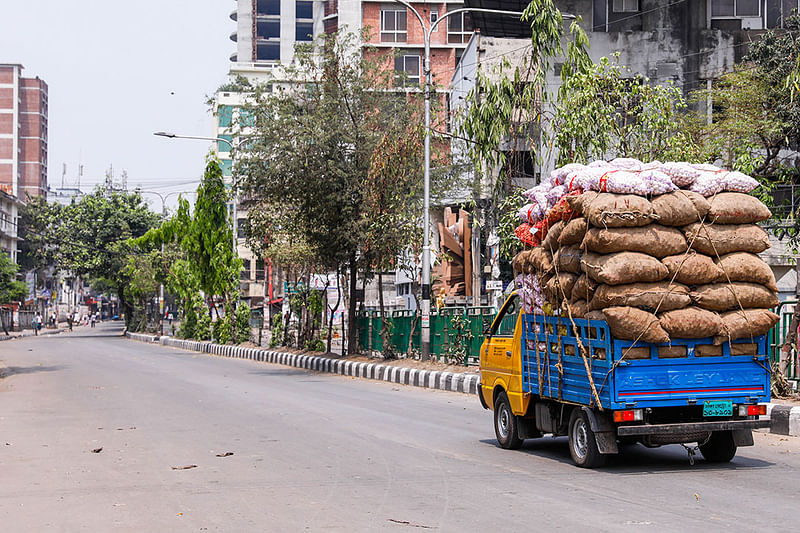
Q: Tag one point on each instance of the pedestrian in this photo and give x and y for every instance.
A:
(69, 320)
(37, 323)
(93, 318)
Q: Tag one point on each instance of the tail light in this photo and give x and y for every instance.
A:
(752, 410)
(629, 415)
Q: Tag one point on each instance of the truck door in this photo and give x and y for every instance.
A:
(497, 352)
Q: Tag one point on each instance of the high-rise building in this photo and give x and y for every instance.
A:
(23, 133)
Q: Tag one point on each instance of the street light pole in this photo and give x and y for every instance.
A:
(234, 228)
(426, 245)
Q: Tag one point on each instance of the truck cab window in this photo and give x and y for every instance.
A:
(506, 318)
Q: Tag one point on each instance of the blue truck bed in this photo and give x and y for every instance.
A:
(638, 375)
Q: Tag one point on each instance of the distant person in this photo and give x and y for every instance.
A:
(93, 319)
(37, 323)
(69, 321)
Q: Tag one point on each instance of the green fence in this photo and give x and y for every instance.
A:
(778, 333)
(456, 332)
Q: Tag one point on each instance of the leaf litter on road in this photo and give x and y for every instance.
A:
(185, 467)
(97, 450)
(226, 454)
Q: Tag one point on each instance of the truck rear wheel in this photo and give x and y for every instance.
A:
(505, 424)
(720, 447)
(582, 443)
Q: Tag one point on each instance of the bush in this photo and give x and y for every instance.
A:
(276, 338)
(222, 329)
(242, 324)
(203, 331)
(188, 327)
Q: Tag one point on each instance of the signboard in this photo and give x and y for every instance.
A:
(426, 320)
(494, 285)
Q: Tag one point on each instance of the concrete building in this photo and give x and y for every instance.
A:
(9, 220)
(23, 133)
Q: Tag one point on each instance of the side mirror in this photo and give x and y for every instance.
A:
(487, 331)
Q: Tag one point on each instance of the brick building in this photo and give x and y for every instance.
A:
(23, 133)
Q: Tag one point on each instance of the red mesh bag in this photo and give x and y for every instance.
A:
(539, 230)
(523, 233)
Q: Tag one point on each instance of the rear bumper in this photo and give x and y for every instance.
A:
(689, 427)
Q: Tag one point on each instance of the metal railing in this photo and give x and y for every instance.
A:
(777, 335)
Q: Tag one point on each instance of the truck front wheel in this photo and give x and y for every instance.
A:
(505, 424)
(582, 443)
(720, 447)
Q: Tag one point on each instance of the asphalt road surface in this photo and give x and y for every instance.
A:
(323, 452)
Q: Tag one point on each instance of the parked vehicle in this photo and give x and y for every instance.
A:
(553, 375)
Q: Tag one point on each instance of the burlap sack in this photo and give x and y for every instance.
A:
(726, 238)
(737, 208)
(736, 295)
(578, 308)
(516, 263)
(630, 323)
(584, 287)
(742, 266)
(653, 297)
(692, 268)
(609, 210)
(537, 260)
(559, 288)
(679, 208)
(573, 232)
(568, 259)
(623, 267)
(691, 323)
(748, 323)
(577, 203)
(653, 239)
(550, 242)
(594, 315)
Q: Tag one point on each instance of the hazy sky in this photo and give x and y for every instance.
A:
(117, 72)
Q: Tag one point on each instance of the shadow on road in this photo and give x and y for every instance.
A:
(637, 459)
(6, 371)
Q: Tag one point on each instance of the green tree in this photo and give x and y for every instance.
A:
(309, 157)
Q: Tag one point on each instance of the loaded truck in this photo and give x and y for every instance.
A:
(560, 375)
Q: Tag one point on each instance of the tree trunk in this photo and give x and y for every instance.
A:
(388, 353)
(352, 344)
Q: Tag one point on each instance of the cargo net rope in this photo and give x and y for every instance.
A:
(657, 250)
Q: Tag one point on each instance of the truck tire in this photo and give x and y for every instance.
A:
(582, 444)
(505, 424)
(720, 448)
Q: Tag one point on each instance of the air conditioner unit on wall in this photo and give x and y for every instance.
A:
(752, 23)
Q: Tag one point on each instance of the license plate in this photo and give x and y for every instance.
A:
(718, 408)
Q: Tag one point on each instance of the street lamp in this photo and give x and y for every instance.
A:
(426, 245)
(170, 135)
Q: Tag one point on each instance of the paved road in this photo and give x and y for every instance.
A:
(323, 452)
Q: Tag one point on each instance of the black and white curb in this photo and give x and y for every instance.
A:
(431, 379)
(784, 419)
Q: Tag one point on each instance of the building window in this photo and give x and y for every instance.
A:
(269, 7)
(268, 51)
(260, 273)
(304, 9)
(304, 31)
(245, 274)
(268, 29)
(225, 146)
(393, 26)
(407, 68)
(735, 8)
(459, 28)
(225, 116)
(241, 229)
(434, 18)
(625, 6)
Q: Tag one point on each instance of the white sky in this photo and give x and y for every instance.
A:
(117, 72)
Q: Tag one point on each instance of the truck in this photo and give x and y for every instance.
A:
(560, 375)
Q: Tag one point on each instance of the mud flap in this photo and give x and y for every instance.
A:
(526, 428)
(605, 433)
(743, 437)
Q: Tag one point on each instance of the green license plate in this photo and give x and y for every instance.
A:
(718, 408)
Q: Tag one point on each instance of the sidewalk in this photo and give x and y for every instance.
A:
(784, 419)
(30, 333)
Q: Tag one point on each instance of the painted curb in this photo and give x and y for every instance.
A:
(466, 383)
(784, 419)
(26, 334)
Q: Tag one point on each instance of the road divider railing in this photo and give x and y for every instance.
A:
(466, 382)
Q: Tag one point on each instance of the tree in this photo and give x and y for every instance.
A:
(307, 165)
(200, 255)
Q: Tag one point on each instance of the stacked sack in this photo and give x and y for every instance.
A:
(659, 251)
